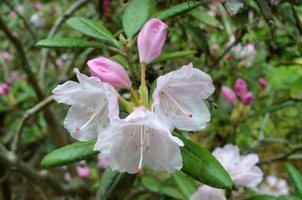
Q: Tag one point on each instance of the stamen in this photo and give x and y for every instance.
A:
(77, 128)
(141, 148)
(131, 134)
(147, 148)
(167, 97)
(88, 113)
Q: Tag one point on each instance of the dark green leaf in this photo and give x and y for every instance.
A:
(177, 10)
(262, 197)
(198, 36)
(169, 56)
(268, 16)
(273, 108)
(171, 192)
(91, 28)
(185, 185)
(200, 164)
(295, 178)
(205, 18)
(115, 185)
(69, 154)
(289, 198)
(136, 15)
(67, 43)
(150, 184)
(295, 90)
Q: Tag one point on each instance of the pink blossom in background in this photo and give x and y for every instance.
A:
(215, 46)
(240, 87)
(11, 14)
(247, 98)
(83, 171)
(37, 20)
(228, 56)
(59, 62)
(16, 77)
(109, 72)
(151, 40)
(273, 186)
(106, 6)
(217, 1)
(245, 53)
(9, 81)
(229, 95)
(5, 56)
(262, 82)
(4, 89)
(208, 193)
(38, 5)
(103, 160)
(27, 1)
(73, 140)
(178, 98)
(139, 139)
(242, 169)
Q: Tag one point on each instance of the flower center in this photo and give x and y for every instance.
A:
(172, 104)
(93, 114)
(141, 134)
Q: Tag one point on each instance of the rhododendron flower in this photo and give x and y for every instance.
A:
(4, 89)
(93, 104)
(262, 82)
(37, 20)
(247, 98)
(109, 72)
(245, 54)
(83, 171)
(273, 186)
(38, 5)
(178, 98)
(240, 87)
(140, 139)
(229, 95)
(5, 56)
(242, 169)
(208, 193)
(103, 160)
(151, 40)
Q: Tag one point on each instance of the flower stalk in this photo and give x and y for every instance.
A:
(143, 90)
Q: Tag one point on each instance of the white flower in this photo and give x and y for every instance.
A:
(178, 98)
(140, 139)
(208, 193)
(93, 104)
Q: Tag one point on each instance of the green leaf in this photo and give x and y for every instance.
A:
(198, 36)
(295, 178)
(67, 43)
(262, 197)
(288, 198)
(273, 108)
(200, 164)
(69, 154)
(150, 184)
(91, 28)
(171, 192)
(120, 60)
(185, 185)
(136, 15)
(115, 185)
(205, 18)
(172, 55)
(295, 90)
(177, 10)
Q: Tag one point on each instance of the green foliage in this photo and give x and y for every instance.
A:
(262, 197)
(295, 91)
(136, 15)
(170, 56)
(67, 43)
(295, 178)
(184, 184)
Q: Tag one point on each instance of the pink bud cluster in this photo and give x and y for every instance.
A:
(240, 91)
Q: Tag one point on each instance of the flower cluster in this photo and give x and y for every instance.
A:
(241, 91)
(144, 137)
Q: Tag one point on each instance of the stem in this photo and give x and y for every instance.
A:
(134, 97)
(128, 105)
(143, 73)
(143, 91)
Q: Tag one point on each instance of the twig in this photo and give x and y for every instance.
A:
(54, 30)
(28, 26)
(29, 113)
(284, 156)
(12, 162)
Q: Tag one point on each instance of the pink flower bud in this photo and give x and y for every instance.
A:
(240, 87)
(247, 98)
(59, 62)
(151, 39)
(215, 46)
(109, 72)
(106, 6)
(11, 14)
(4, 89)
(6, 56)
(263, 83)
(38, 5)
(83, 171)
(250, 47)
(229, 95)
(228, 56)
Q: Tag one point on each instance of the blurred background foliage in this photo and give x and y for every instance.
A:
(207, 37)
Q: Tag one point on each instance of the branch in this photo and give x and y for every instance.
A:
(12, 162)
(54, 30)
(28, 114)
